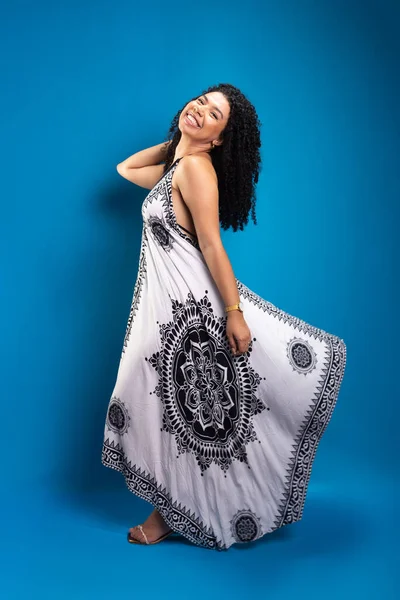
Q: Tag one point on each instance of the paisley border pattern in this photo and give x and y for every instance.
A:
(139, 482)
(137, 290)
(171, 217)
(316, 419)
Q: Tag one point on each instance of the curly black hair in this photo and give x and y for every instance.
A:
(236, 161)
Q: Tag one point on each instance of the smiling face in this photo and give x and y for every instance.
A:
(204, 118)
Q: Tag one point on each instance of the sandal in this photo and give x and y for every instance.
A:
(132, 540)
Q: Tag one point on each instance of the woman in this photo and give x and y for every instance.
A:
(221, 398)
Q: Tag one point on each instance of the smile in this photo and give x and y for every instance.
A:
(190, 120)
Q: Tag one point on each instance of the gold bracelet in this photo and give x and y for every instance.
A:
(238, 306)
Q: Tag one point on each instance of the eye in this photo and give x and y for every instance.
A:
(213, 113)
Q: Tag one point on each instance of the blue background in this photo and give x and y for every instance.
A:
(84, 85)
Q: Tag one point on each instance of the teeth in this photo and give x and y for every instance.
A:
(192, 119)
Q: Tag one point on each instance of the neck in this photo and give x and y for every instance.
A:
(187, 146)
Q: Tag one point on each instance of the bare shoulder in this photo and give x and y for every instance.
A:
(196, 169)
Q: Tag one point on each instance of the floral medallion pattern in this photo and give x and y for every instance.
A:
(117, 416)
(301, 356)
(245, 526)
(160, 232)
(209, 396)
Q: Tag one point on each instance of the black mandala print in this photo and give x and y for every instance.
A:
(301, 356)
(117, 416)
(245, 526)
(208, 395)
(160, 233)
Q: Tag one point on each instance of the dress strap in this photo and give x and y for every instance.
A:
(187, 230)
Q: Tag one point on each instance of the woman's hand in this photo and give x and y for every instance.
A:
(239, 335)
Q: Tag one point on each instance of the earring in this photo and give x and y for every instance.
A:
(212, 145)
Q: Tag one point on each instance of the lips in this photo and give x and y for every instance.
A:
(193, 119)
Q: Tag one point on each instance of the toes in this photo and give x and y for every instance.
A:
(134, 533)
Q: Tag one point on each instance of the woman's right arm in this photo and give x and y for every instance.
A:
(143, 168)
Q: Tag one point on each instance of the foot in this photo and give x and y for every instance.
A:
(154, 527)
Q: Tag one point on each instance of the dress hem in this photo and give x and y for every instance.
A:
(165, 511)
(158, 497)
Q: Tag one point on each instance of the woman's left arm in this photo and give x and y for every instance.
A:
(198, 186)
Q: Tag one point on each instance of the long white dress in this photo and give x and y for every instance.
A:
(222, 446)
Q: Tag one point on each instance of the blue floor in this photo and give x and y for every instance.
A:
(73, 546)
